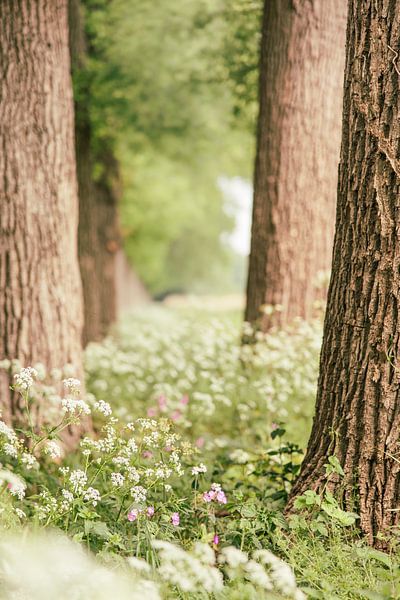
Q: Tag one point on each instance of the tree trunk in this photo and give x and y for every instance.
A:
(98, 234)
(358, 402)
(40, 289)
(301, 78)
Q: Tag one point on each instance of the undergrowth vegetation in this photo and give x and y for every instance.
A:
(179, 490)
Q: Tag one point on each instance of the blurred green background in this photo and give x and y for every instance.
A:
(172, 89)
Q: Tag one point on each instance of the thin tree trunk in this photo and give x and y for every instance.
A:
(40, 289)
(98, 235)
(358, 402)
(301, 78)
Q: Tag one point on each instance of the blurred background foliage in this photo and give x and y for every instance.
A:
(172, 89)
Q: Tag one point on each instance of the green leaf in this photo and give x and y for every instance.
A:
(371, 553)
(248, 511)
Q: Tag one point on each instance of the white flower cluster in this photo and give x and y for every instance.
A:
(139, 494)
(264, 570)
(74, 405)
(189, 571)
(78, 480)
(29, 461)
(117, 479)
(52, 449)
(72, 384)
(68, 499)
(201, 468)
(25, 378)
(103, 407)
(92, 495)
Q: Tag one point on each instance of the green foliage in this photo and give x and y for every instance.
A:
(163, 84)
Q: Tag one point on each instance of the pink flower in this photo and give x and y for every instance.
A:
(184, 400)
(216, 539)
(147, 454)
(176, 415)
(207, 497)
(199, 443)
(175, 520)
(150, 511)
(274, 426)
(221, 498)
(162, 403)
(133, 514)
(168, 449)
(152, 411)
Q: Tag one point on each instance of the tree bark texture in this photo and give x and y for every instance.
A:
(98, 234)
(295, 180)
(40, 288)
(358, 403)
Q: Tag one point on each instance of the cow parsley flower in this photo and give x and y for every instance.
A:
(72, 406)
(17, 489)
(10, 450)
(25, 378)
(201, 468)
(103, 407)
(52, 449)
(139, 494)
(78, 480)
(72, 384)
(29, 461)
(92, 495)
(117, 479)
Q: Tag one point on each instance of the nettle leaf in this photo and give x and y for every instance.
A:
(334, 466)
(248, 511)
(101, 529)
(371, 553)
(344, 518)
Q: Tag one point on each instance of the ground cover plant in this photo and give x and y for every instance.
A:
(179, 492)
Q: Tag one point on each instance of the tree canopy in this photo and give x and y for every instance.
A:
(186, 112)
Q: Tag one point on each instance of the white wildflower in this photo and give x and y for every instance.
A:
(133, 474)
(52, 449)
(201, 468)
(239, 456)
(10, 450)
(17, 489)
(103, 407)
(8, 432)
(78, 480)
(117, 479)
(25, 378)
(281, 573)
(257, 575)
(233, 557)
(67, 501)
(120, 461)
(29, 461)
(139, 494)
(71, 405)
(72, 384)
(92, 495)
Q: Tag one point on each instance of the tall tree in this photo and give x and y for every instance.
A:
(40, 289)
(301, 77)
(98, 234)
(358, 402)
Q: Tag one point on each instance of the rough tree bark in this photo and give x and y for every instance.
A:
(98, 234)
(358, 402)
(40, 288)
(301, 81)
